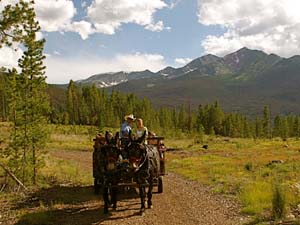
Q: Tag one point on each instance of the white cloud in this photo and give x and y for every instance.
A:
(9, 57)
(61, 70)
(108, 16)
(83, 28)
(54, 15)
(159, 26)
(103, 16)
(83, 4)
(269, 25)
(174, 3)
(56, 53)
(183, 61)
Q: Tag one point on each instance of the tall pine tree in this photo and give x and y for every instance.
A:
(29, 102)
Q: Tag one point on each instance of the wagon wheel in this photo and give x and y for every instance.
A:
(160, 186)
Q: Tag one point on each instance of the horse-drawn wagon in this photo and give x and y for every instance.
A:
(98, 162)
(134, 164)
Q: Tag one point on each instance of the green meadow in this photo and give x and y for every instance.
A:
(246, 169)
(236, 168)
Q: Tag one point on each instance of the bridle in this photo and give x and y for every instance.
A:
(139, 161)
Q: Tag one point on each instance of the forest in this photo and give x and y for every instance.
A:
(88, 105)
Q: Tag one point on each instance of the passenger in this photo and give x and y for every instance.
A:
(126, 127)
(141, 129)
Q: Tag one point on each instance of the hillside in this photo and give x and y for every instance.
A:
(243, 81)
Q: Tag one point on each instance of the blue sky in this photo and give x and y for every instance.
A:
(182, 40)
(97, 36)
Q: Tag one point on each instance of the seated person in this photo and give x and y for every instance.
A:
(125, 128)
(141, 129)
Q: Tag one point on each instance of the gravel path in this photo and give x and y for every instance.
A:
(183, 202)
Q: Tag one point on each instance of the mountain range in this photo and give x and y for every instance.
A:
(243, 81)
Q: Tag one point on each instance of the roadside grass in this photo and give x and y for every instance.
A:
(73, 137)
(80, 142)
(62, 185)
(241, 168)
(63, 172)
(54, 173)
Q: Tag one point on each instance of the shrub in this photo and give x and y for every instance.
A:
(278, 201)
(248, 166)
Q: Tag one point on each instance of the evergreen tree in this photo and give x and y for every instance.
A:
(200, 118)
(36, 101)
(182, 118)
(28, 101)
(284, 128)
(3, 95)
(297, 127)
(267, 126)
(258, 128)
(12, 21)
(277, 126)
(73, 103)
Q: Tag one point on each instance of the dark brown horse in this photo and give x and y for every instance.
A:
(110, 153)
(146, 165)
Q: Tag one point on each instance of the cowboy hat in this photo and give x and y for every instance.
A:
(131, 116)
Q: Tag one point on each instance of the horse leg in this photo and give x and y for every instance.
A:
(149, 194)
(106, 199)
(114, 197)
(142, 196)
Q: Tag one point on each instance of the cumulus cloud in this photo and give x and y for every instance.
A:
(108, 16)
(269, 25)
(174, 3)
(83, 28)
(54, 15)
(58, 16)
(159, 26)
(61, 70)
(183, 61)
(83, 4)
(9, 57)
(103, 16)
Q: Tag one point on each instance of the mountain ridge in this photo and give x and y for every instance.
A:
(242, 81)
(241, 65)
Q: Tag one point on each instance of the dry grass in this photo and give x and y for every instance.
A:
(239, 167)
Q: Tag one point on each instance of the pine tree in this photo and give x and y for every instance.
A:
(297, 127)
(3, 95)
(200, 118)
(72, 103)
(259, 132)
(12, 21)
(284, 128)
(267, 126)
(36, 101)
(277, 126)
(28, 101)
(182, 118)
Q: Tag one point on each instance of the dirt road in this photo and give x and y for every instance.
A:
(183, 202)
